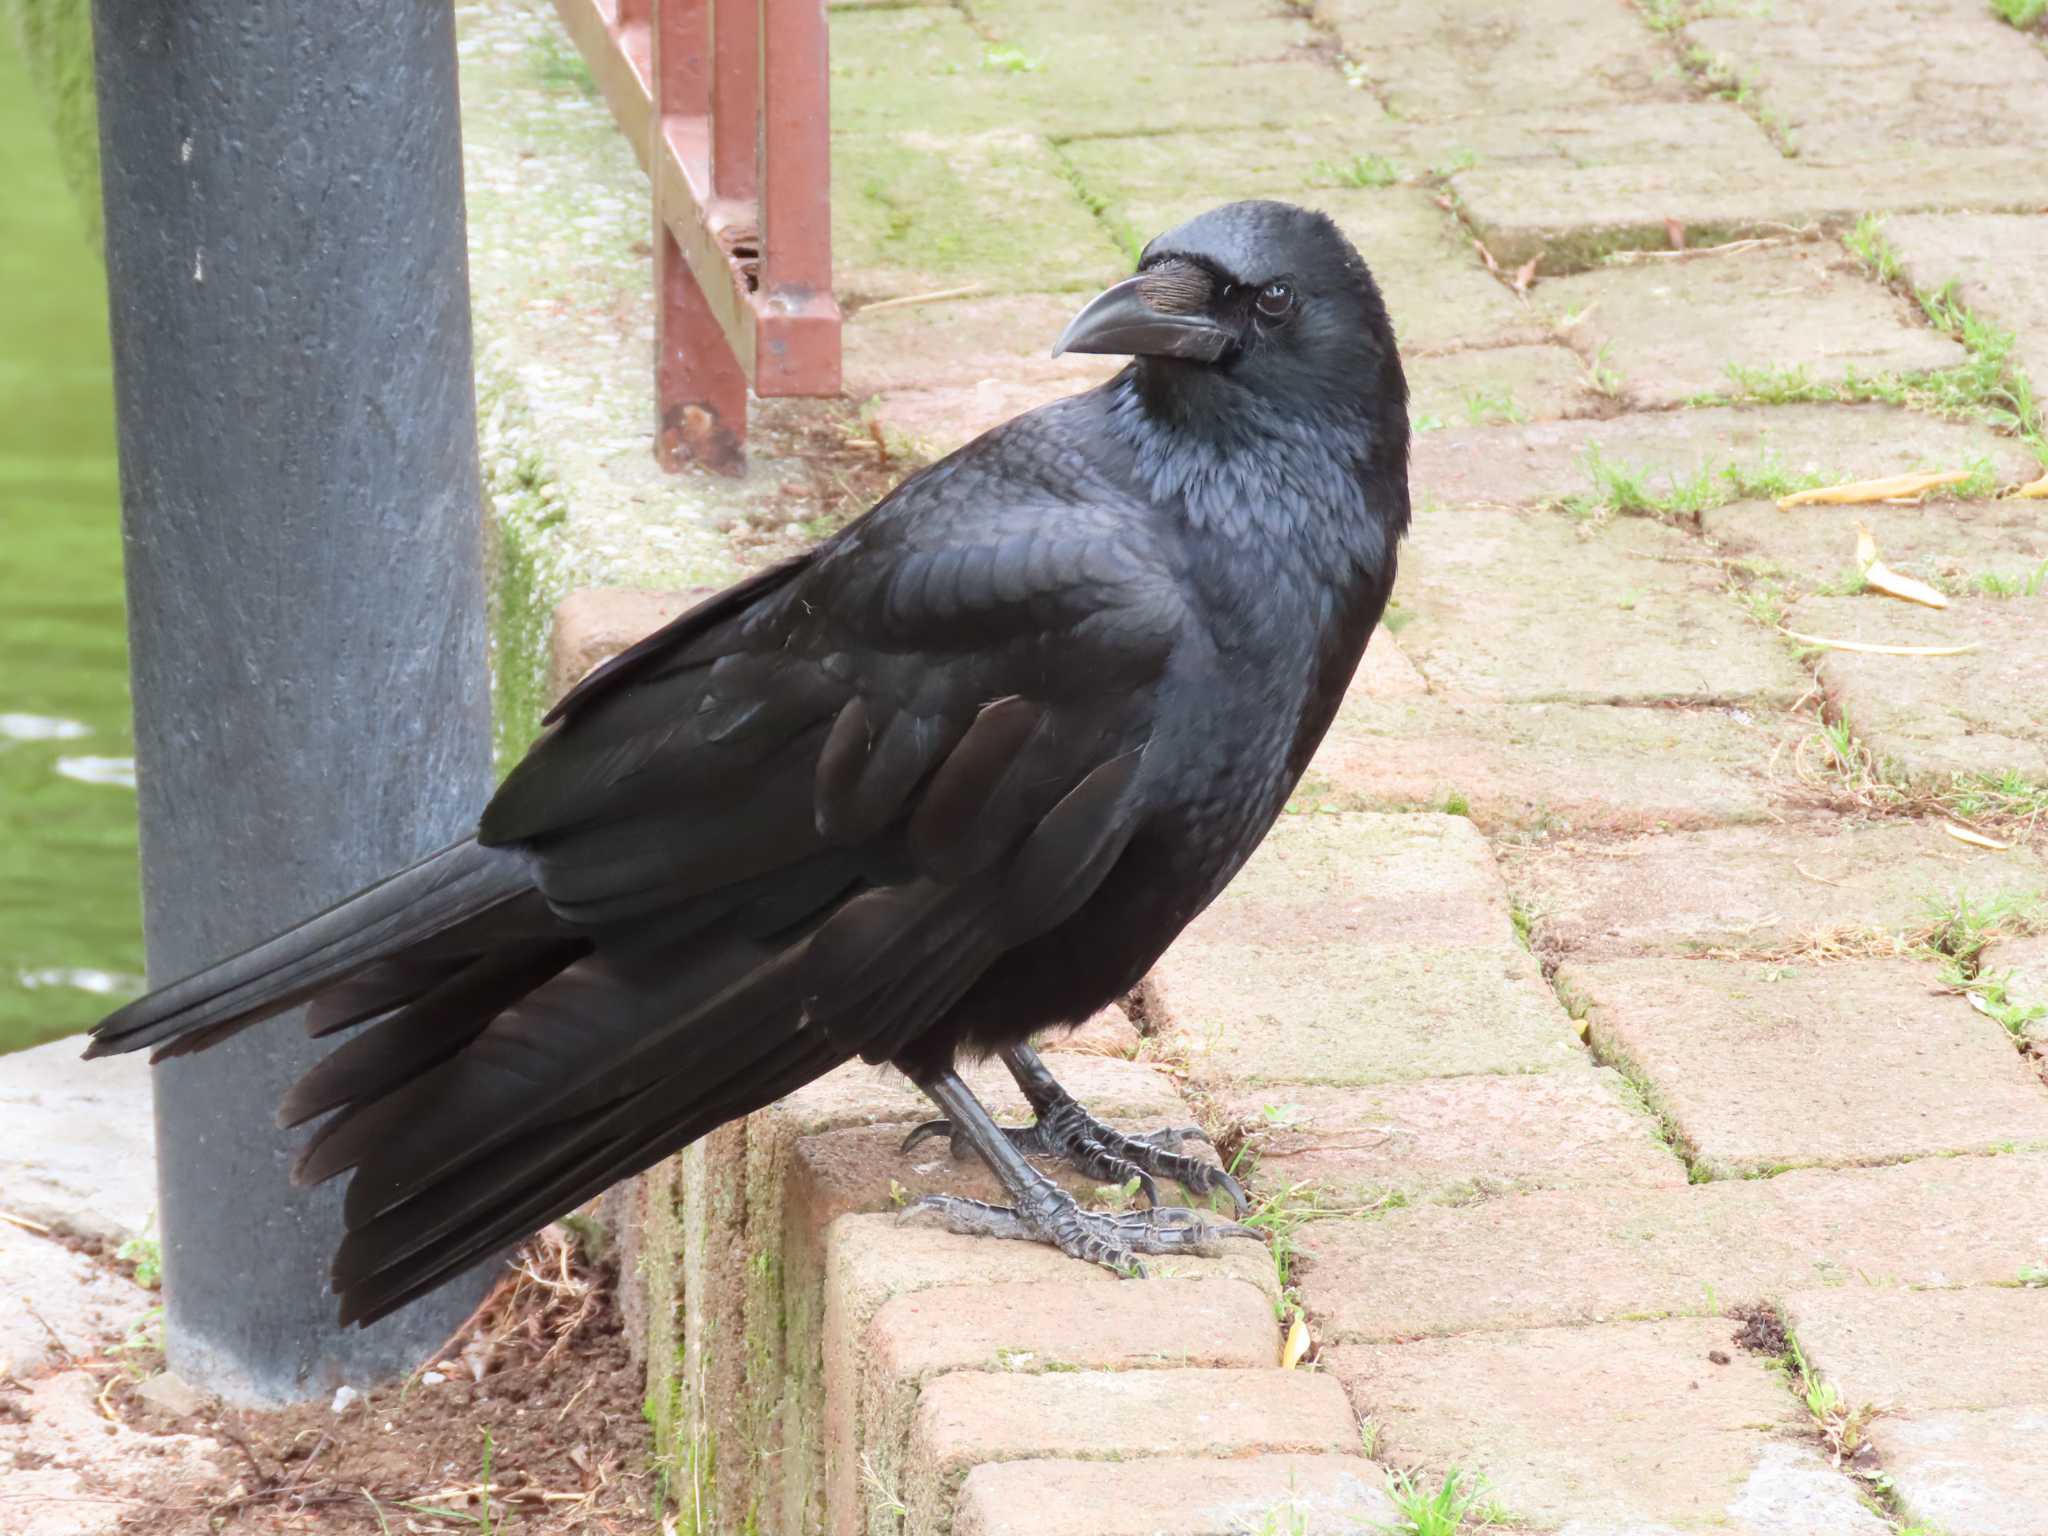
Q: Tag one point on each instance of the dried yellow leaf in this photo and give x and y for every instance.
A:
(1880, 577)
(1891, 488)
(1870, 648)
(2037, 488)
(1297, 1344)
(1973, 837)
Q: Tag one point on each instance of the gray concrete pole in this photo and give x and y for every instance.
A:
(301, 508)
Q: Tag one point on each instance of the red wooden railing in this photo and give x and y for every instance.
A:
(726, 102)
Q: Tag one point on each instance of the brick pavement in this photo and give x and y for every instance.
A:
(1613, 970)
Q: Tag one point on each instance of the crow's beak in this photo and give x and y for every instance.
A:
(1119, 321)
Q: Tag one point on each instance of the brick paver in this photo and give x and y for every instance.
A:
(1674, 330)
(1453, 1138)
(1576, 821)
(1763, 890)
(1628, 1425)
(1762, 1066)
(1982, 713)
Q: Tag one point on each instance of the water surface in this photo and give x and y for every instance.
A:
(70, 923)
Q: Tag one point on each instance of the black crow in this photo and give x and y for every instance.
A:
(959, 773)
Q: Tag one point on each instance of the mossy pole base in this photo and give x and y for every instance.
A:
(290, 303)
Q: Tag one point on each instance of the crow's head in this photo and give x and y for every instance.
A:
(1251, 302)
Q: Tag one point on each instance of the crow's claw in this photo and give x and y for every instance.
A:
(1051, 1215)
(1065, 1130)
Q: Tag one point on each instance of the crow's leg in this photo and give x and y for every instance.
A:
(1044, 1212)
(1064, 1129)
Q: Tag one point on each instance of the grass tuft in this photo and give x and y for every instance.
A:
(1358, 171)
(1453, 1506)
(1623, 490)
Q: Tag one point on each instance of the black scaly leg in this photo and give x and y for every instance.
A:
(1064, 1129)
(1045, 1213)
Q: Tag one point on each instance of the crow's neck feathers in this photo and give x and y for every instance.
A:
(1318, 475)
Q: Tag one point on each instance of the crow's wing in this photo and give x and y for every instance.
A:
(797, 827)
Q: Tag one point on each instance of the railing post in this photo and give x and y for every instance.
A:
(796, 199)
(700, 390)
(735, 98)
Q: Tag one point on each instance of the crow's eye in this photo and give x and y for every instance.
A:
(1274, 300)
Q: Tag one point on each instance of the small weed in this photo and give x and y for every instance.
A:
(1117, 1197)
(2008, 797)
(1485, 407)
(1719, 77)
(1866, 242)
(2024, 14)
(1524, 924)
(1458, 160)
(1358, 171)
(1840, 1425)
(2032, 1276)
(1282, 1215)
(1663, 15)
(1288, 1519)
(1602, 377)
(1455, 804)
(146, 1254)
(1005, 59)
(1763, 601)
(882, 1497)
(1994, 1000)
(1427, 422)
(481, 1518)
(556, 63)
(2028, 584)
(1962, 926)
(1442, 1512)
(1369, 1430)
(1623, 490)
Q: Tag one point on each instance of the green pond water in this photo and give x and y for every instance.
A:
(70, 924)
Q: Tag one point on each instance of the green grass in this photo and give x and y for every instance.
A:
(1358, 171)
(1282, 1215)
(1624, 490)
(558, 65)
(1990, 990)
(1718, 76)
(1004, 59)
(2007, 796)
(1490, 407)
(2025, 584)
(146, 1254)
(1985, 388)
(1866, 242)
(2024, 14)
(1452, 1506)
(1961, 926)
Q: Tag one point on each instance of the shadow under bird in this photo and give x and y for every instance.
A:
(957, 774)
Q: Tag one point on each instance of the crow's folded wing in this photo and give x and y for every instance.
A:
(796, 828)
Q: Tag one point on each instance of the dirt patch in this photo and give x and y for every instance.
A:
(531, 1420)
(848, 464)
(1762, 1331)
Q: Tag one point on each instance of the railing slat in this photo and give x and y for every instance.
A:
(726, 102)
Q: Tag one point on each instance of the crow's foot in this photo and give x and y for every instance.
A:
(1065, 1130)
(1048, 1214)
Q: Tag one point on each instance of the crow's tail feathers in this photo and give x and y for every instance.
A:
(383, 946)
